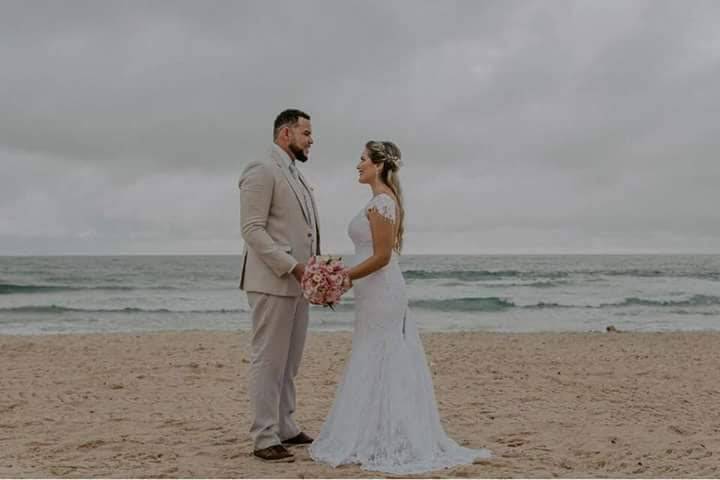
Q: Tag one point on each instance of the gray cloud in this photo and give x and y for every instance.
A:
(525, 125)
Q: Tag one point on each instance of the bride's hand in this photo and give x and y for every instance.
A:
(347, 282)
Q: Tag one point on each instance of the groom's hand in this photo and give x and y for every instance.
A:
(298, 271)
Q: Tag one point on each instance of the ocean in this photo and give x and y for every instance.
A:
(500, 293)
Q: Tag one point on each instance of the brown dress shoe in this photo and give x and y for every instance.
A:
(299, 439)
(275, 454)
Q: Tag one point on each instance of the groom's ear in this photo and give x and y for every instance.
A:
(284, 132)
(280, 132)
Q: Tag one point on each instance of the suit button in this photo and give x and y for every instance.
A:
(309, 235)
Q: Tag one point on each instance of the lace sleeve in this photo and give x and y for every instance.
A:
(384, 205)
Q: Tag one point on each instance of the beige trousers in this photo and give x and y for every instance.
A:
(278, 338)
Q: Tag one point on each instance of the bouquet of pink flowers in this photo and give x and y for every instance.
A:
(324, 280)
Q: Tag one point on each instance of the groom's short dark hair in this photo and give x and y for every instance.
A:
(288, 117)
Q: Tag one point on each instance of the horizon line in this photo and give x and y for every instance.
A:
(458, 254)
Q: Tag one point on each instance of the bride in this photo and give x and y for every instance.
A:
(385, 417)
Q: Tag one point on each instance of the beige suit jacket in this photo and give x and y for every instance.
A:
(276, 226)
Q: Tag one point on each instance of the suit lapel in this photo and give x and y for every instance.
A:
(293, 184)
(314, 207)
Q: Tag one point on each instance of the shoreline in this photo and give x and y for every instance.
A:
(347, 330)
(571, 404)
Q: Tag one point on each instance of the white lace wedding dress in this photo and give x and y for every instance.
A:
(385, 417)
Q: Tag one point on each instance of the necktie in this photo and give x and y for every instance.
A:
(306, 198)
(294, 171)
(305, 193)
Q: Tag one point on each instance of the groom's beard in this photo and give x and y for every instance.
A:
(298, 152)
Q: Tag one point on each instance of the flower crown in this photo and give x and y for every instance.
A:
(394, 161)
(391, 159)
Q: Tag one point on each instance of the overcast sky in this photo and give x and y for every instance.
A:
(526, 127)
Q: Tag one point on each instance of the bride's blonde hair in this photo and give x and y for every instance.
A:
(388, 155)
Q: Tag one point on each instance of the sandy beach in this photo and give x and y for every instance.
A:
(548, 405)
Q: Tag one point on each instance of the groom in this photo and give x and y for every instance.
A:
(280, 228)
